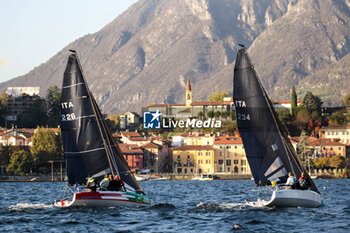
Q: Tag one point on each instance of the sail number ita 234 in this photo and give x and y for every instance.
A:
(68, 116)
(241, 116)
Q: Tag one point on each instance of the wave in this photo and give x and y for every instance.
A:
(22, 206)
(220, 206)
(162, 206)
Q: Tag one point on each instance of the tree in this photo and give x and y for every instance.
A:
(210, 114)
(20, 163)
(338, 118)
(217, 114)
(312, 103)
(3, 107)
(36, 116)
(46, 145)
(337, 161)
(224, 114)
(304, 151)
(200, 115)
(218, 96)
(321, 162)
(346, 101)
(284, 114)
(111, 124)
(294, 101)
(233, 115)
(53, 106)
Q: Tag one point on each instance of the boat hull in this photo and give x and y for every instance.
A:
(291, 198)
(105, 199)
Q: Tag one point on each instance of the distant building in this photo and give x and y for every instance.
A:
(230, 155)
(20, 100)
(328, 147)
(340, 133)
(133, 155)
(284, 104)
(193, 159)
(191, 109)
(130, 120)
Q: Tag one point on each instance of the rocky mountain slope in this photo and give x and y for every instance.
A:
(146, 54)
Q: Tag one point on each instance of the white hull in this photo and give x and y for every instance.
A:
(290, 198)
(104, 198)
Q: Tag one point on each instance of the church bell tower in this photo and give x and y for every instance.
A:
(188, 94)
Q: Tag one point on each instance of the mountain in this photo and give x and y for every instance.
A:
(147, 53)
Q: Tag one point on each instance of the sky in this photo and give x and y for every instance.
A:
(33, 31)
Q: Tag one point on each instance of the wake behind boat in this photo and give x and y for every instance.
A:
(269, 151)
(89, 148)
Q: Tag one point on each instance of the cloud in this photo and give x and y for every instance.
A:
(2, 62)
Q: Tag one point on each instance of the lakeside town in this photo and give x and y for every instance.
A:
(320, 135)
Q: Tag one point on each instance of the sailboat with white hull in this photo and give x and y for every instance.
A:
(89, 148)
(269, 151)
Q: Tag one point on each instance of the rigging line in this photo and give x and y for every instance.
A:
(73, 84)
(271, 111)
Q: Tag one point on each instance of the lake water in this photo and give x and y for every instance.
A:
(177, 206)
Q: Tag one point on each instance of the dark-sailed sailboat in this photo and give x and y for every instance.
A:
(269, 151)
(89, 148)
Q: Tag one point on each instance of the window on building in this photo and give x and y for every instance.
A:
(137, 156)
(191, 170)
(331, 148)
(228, 169)
(185, 170)
(339, 148)
(221, 161)
(208, 153)
(126, 157)
(235, 161)
(243, 169)
(243, 162)
(235, 147)
(199, 153)
(179, 170)
(178, 158)
(137, 164)
(228, 162)
(236, 169)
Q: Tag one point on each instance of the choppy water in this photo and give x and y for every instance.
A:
(177, 206)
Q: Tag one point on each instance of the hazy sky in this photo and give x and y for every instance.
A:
(32, 31)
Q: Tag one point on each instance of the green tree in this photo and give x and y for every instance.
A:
(284, 114)
(346, 101)
(312, 103)
(36, 116)
(111, 124)
(53, 106)
(294, 101)
(224, 115)
(46, 145)
(20, 163)
(3, 107)
(200, 115)
(337, 118)
(210, 114)
(218, 96)
(233, 115)
(217, 114)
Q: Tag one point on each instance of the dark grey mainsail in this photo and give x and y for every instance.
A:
(269, 151)
(88, 145)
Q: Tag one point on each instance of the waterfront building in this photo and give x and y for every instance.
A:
(339, 132)
(230, 155)
(157, 157)
(133, 156)
(189, 159)
(130, 120)
(285, 104)
(324, 147)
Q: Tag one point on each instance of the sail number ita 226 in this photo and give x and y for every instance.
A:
(68, 116)
(240, 116)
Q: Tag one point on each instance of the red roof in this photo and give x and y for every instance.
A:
(130, 134)
(335, 127)
(228, 140)
(151, 145)
(194, 147)
(130, 148)
(323, 142)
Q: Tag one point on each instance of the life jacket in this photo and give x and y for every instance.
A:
(106, 179)
(91, 179)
